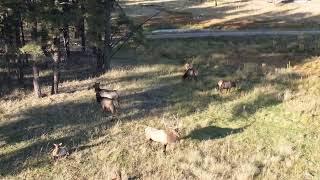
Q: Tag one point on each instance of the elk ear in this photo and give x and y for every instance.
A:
(60, 144)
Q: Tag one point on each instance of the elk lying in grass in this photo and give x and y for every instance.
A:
(226, 85)
(190, 72)
(109, 99)
(59, 151)
(165, 137)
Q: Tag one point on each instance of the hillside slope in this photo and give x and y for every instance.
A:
(267, 128)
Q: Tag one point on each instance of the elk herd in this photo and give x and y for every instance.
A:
(109, 100)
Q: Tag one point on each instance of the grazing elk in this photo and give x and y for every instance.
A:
(226, 85)
(165, 137)
(109, 99)
(190, 72)
(59, 151)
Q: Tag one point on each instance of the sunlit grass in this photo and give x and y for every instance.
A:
(266, 128)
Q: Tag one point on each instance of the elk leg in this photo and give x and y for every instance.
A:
(112, 109)
(55, 158)
(164, 149)
(118, 101)
(117, 106)
(148, 141)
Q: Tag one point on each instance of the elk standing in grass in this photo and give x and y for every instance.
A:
(109, 99)
(59, 151)
(226, 85)
(165, 137)
(107, 93)
(190, 72)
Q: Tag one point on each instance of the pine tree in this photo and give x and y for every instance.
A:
(37, 55)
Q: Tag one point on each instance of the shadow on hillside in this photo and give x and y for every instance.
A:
(280, 83)
(214, 132)
(251, 107)
(40, 125)
(81, 121)
(80, 67)
(169, 95)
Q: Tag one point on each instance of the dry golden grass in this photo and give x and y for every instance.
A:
(266, 129)
(229, 14)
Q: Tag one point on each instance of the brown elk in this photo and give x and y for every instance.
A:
(226, 85)
(165, 137)
(59, 151)
(190, 72)
(111, 94)
(108, 99)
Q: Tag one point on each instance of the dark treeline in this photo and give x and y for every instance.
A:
(34, 30)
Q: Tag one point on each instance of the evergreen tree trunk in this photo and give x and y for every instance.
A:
(8, 65)
(20, 70)
(56, 55)
(34, 31)
(22, 32)
(66, 41)
(99, 56)
(107, 50)
(23, 41)
(20, 75)
(36, 86)
(82, 35)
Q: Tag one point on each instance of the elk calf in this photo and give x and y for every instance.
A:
(59, 151)
(190, 72)
(164, 137)
(226, 85)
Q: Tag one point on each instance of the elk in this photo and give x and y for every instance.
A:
(106, 104)
(168, 136)
(226, 85)
(59, 151)
(108, 99)
(190, 72)
(111, 94)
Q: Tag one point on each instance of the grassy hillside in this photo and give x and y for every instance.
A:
(267, 128)
(227, 15)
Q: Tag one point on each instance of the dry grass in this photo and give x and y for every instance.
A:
(266, 129)
(229, 14)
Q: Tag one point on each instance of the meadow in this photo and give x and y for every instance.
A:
(266, 128)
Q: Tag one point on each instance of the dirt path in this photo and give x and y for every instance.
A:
(176, 34)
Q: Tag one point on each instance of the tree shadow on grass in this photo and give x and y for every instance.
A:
(251, 107)
(34, 129)
(280, 83)
(214, 132)
(38, 154)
